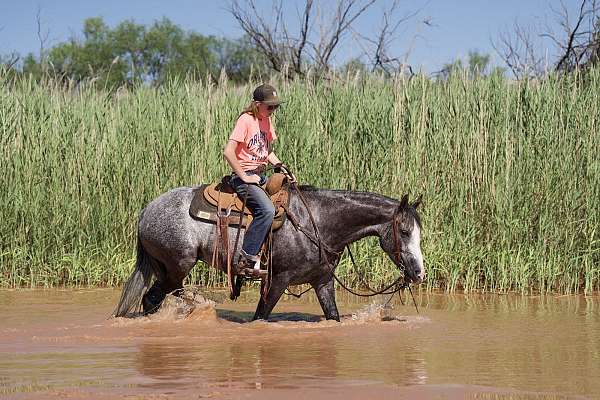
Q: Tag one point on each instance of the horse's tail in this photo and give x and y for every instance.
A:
(137, 284)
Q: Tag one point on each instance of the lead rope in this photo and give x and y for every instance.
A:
(399, 287)
(294, 186)
(299, 295)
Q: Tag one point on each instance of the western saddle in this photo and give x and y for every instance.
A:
(218, 203)
(219, 199)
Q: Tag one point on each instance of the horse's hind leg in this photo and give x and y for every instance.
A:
(171, 281)
(326, 294)
(153, 298)
(157, 293)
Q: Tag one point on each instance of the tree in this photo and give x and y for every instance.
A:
(477, 65)
(9, 61)
(129, 54)
(96, 57)
(238, 58)
(576, 46)
(7, 67)
(314, 44)
(580, 45)
(354, 66)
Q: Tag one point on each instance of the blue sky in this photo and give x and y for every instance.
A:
(457, 26)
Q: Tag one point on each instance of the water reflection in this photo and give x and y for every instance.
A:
(250, 360)
(540, 344)
(543, 343)
(285, 354)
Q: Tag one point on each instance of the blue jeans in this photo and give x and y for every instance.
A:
(263, 212)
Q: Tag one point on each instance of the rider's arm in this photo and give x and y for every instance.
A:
(273, 159)
(229, 154)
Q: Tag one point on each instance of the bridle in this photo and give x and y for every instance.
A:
(398, 285)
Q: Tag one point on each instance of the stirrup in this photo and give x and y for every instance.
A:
(246, 267)
(254, 273)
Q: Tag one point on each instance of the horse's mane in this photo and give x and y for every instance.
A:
(308, 188)
(410, 208)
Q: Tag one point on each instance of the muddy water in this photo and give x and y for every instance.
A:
(60, 344)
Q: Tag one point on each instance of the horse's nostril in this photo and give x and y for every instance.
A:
(417, 271)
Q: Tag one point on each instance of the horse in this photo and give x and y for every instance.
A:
(170, 242)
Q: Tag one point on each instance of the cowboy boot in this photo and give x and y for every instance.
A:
(249, 267)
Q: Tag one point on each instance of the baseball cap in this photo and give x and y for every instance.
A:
(266, 94)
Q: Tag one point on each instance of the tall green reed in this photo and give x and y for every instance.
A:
(509, 172)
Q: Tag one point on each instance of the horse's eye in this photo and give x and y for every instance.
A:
(405, 233)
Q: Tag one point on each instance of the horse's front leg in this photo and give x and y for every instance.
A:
(326, 294)
(265, 305)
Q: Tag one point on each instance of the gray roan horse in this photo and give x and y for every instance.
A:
(170, 242)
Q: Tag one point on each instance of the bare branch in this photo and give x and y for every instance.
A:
(42, 36)
(10, 61)
(577, 43)
(382, 58)
(7, 63)
(280, 47)
(518, 51)
(568, 48)
(377, 48)
(319, 34)
(258, 31)
(303, 34)
(580, 44)
(344, 17)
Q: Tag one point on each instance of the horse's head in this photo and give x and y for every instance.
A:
(402, 240)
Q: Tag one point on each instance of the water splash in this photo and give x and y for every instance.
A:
(188, 304)
(373, 313)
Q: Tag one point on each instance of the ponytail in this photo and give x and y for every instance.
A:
(251, 109)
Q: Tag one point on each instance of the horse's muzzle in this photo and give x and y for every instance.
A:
(413, 270)
(415, 277)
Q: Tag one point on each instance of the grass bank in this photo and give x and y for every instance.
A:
(510, 172)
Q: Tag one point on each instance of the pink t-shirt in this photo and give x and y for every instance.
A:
(254, 137)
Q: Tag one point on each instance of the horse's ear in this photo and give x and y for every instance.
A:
(404, 201)
(418, 201)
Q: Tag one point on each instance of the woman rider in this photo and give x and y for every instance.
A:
(247, 152)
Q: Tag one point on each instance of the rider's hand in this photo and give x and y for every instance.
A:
(251, 179)
(280, 167)
(291, 177)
